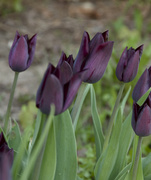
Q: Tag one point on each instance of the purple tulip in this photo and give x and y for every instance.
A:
(22, 52)
(128, 64)
(6, 159)
(143, 85)
(93, 56)
(141, 118)
(59, 86)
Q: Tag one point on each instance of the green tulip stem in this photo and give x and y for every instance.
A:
(7, 116)
(137, 158)
(111, 122)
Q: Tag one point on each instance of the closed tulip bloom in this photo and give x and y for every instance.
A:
(22, 52)
(142, 85)
(6, 159)
(141, 118)
(93, 56)
(127, 67)
(59, 86)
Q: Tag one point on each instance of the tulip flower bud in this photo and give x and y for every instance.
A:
(128, 64)
(93, 56)
(59, 86)
(6, 159)
(141, 118)
(143, 85)
(22, 52)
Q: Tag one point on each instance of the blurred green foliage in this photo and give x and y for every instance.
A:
(7, 6)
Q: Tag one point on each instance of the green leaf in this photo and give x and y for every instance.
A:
(66, 167)
(14, 137)
(122, 174)
(139, 169)
(125, 99)
(106, 162)
(98, 133)
(125, 141)
(38, 125)
(48, 165)
(146, 163)
(143, 98)
(83, 91)
(18, 161)
(39, 145)
(78, 178)
(148, 177)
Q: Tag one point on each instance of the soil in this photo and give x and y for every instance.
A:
(59, 25)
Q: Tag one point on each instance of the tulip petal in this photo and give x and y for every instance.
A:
(18, 56)
(97, 62)
(136, 108)
(143, 124)
(131, 68)
(31, 49)
(142, 85)
(121, 64)
(70, 90)
(65, 72)
(83, 52)
(96, 41)
(52, 93)
(140, 49)
(62, 59)
(105, 35)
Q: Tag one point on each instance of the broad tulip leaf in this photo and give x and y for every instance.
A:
(139, 175)
(125, 141)
(124, 172)
(125, 99)
(18, 161)
(66, 166)
(39, 145)
(143, 98)
(146, 163)
(48, 166)
(14, 137)
(99, 137)
(107, 160)
(83, 91)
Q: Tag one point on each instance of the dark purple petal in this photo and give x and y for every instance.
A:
(131, 68)
(105, 35)
(52, 94)
(48, 71)
(142, 86)
(17, 36)
(2, 140)
(62, 59)
(18, 56)
(140, 49)
(136, 108)
(5, 167)
(97, 40)
(31, 49)
(70, 60)
(121, 65)
(83, 52)
(65, 72)
(97, 62)
(143, 124)
(70, 90)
